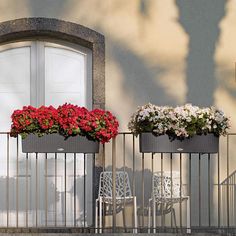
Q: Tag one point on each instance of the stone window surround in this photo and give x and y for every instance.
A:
(47, 28)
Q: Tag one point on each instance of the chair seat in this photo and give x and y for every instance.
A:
(119, 200)
(169, 200)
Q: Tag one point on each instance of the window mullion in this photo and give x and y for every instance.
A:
(33, 74)
(40, 73)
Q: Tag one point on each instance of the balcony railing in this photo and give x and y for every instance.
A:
(55, 190)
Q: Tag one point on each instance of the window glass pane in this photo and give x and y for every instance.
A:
(64, 77)
(14, 82)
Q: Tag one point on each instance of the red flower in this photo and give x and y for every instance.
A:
(67, 120)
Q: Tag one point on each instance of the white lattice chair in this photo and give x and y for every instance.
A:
(123, 196)
(164, 195)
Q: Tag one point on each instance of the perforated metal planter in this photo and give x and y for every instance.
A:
(150, 143)
(52, 143)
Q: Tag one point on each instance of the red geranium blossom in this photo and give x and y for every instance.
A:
(67, 120)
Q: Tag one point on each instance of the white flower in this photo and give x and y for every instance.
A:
(178, 119)
(200, 116)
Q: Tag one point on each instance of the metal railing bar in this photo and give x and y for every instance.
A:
(171, 187)
(133, 176)
(36, 190)
(224, 182)
(233, 197)
(46, 189)
(153, 197)
(209, 189)
(218, 182)
(124, 145)
(224, 185)
(123, 132)
(65, 192)
(232, 203)
(17, 182)
(190, 184)
(180, 167)
(142, 190)
(94, 191)
(7, 187)
(74, 189)
(103, 197)
(55, 193)
(227, 170)
(114, 184)
(27, 190)
(162, 203)
(199, 188)
(128, 132)
(84, 189)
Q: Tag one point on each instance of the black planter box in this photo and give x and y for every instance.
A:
(149, 143)
(52, 143)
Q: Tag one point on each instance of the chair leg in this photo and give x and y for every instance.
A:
(124, 219)
(154, 216)
(174, 217)
(164, 217)
(100, 216)
(135, 231)
(188, 217)
(162, 209)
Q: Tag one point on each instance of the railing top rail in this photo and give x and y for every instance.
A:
(225, 181)
(121, 132)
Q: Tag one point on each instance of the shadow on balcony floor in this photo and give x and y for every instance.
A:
(119, 231)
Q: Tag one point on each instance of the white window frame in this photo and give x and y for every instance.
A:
(37, 67)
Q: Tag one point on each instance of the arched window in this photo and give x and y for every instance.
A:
(47, 61)
(70, 35)
(43, 73)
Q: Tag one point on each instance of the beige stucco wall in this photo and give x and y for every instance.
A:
(153, 48)
(160, 51)
(164, 52)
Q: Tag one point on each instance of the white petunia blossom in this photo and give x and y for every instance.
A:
(179, 122)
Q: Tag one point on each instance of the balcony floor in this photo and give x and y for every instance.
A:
(79, 231)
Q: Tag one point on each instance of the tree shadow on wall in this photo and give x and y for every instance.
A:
(140, 79)
(200, 19)
(10, 186)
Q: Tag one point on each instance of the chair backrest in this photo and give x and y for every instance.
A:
(166, 184)
(122, 184)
